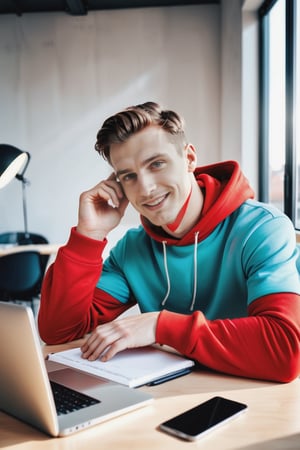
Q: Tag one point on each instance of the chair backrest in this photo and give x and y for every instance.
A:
(298, 259)
(20, 238)
(20, 275)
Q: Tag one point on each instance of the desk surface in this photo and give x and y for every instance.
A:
(45, 249)
(271, 422)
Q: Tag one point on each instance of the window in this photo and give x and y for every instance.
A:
(279, 176)
(297, 117)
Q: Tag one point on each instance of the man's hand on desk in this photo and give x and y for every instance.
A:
(113, 337)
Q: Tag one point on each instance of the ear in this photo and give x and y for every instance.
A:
(191, 157)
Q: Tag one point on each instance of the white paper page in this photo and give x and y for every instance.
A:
(132, 367)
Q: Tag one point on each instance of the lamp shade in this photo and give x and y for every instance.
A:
(12, 160)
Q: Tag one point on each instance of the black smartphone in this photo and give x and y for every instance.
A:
(195, 422)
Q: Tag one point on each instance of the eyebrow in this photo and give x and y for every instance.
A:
(144, 163)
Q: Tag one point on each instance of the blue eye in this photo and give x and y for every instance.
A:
(157, 164)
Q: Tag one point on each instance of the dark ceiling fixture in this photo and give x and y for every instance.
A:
(77, 7)
(82, 7)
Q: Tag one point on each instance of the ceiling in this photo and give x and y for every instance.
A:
(82, 7)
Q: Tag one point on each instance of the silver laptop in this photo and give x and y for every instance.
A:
(28, 391)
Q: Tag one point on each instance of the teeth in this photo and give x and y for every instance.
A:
(156, 202)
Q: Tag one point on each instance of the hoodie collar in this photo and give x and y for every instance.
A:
(224, 187)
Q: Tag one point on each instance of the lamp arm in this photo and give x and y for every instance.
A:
(24, 183)
(20, 176)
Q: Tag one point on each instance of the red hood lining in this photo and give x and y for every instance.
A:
(225, 188)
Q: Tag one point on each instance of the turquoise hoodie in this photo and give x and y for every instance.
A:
(216, 266)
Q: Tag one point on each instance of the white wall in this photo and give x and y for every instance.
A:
(231, 83)
(61, 76)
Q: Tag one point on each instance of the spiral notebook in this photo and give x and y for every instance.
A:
(132, 367)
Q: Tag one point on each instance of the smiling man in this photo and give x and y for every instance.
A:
(212, 270)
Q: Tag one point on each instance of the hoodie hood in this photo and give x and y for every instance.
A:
(224, 188)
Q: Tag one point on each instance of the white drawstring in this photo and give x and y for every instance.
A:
(168, 277)
(167, 274)
(195, 272)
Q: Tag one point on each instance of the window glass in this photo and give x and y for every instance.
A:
(276, 107)
(297, 115)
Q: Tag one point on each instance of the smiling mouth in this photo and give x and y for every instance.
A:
(156, 203)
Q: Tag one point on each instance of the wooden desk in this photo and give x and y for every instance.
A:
(44, 249)
(272, 421)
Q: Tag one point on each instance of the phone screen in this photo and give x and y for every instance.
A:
(196, 421)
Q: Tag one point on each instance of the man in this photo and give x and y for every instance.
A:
(212, 270)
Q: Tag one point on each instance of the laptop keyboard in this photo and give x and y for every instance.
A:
(67, 400)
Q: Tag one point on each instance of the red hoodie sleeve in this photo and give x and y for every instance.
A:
(70, 304)
(264, 345)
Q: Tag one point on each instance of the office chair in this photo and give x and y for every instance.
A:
(22, 238)
(21, 275)
(298, 259)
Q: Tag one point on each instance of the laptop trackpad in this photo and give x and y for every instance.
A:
(79, 381)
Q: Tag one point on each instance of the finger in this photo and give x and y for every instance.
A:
(112, 176)
(86, 345)
(115, 348)
(93, 351)
(90, 344)
(118, 201)
(98, 344)
(109, 192)
(123, 205)
(116, 184)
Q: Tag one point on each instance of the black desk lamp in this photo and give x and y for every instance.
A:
(13, 164)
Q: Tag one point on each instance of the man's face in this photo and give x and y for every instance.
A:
(156, 177)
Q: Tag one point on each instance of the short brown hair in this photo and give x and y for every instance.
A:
(119, 127)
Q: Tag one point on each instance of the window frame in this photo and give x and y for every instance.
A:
(290, 170)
